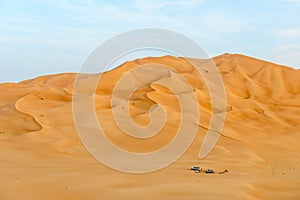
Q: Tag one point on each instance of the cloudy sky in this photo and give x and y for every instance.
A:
(43, 37)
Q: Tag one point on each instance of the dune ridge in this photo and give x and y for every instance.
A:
(42, 156)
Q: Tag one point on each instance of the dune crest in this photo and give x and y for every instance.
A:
(42, 156)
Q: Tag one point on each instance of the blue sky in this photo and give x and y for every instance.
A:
(44, 37)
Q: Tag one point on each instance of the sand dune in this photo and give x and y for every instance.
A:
(42, 156)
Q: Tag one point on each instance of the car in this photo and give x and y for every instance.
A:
(209, 171)
(195, 168)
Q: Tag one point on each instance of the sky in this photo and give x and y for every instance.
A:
(45, 37)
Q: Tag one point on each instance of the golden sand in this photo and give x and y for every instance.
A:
(42, 156)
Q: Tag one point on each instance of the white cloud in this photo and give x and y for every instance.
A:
(292, 1)
(289, 33)
(287, 54)
(221, 23)
(286, 47)
(160, 4)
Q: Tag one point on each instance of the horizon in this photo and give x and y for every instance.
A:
(41, 38)
(121, 62)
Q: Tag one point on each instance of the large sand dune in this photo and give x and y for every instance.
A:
(42, 156)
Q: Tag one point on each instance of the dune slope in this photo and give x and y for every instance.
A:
(42, 156)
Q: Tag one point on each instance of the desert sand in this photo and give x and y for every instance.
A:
(42, 156)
